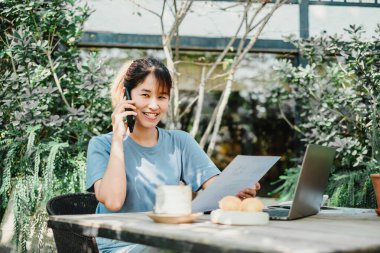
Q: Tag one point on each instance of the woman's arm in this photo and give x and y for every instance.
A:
(111, 190)
(197, 159)
(246, 193)
(208, 182)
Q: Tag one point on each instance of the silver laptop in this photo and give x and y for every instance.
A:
(311, 185)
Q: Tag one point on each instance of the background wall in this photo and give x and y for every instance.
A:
(206, 19)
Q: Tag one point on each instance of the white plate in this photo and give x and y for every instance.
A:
(173, 219)
(239, 217)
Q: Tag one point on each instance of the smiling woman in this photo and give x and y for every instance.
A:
(124, 168)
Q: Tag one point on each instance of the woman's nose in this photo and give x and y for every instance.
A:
(153, 104)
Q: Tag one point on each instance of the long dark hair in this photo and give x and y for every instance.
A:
(141, 68)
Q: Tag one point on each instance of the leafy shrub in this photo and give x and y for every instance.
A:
(336, 97)
(52, 102)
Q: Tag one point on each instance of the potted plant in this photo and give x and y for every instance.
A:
(376, 186)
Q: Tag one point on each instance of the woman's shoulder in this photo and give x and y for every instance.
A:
(178, 138)
(176, 134)
(103, 139)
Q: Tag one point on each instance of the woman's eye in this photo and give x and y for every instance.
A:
(145, 95)
(162, 97)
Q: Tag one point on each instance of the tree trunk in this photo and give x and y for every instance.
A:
(198, 113)
(219, 116)
(7, 223)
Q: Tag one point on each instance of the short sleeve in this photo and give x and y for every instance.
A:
(197, 167)
(98, 154)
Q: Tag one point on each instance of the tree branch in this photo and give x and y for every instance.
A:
(179, 17)
(227, 91)
(198, 113)
(288, 121)
(144, 8)
(256, 35)
(188, 107)
(225, 51)
(56, 80)
(206, 133)
(220, 111)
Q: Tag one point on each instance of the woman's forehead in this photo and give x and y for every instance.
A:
(151, 84)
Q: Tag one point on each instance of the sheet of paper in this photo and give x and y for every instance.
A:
(242, 172)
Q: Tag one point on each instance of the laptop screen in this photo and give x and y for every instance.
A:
(312, 181)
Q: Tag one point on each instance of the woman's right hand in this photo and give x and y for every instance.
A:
(119, 124)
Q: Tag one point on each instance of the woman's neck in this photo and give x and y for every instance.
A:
(145, 137)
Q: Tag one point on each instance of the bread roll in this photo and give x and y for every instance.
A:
(252, 205)
(230, 203)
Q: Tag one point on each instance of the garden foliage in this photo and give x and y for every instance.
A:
(52, 102)
(337, 98)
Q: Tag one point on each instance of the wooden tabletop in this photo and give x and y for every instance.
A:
(333, 230)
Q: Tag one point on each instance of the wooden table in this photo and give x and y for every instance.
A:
(339, 230)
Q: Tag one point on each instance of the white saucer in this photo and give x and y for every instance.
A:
(173, 219)
(239, 218)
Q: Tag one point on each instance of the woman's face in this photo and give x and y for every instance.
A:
(151, 103)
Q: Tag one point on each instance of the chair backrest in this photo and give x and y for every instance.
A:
(74, 203)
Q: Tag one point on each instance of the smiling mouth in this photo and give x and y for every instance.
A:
(151, 115)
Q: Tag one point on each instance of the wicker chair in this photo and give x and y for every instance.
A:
(75, 203)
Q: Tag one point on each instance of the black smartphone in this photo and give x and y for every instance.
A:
(130, 118)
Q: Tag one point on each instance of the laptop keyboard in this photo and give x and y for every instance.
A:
(277, 212)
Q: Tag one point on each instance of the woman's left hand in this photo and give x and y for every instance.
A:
(249, 192)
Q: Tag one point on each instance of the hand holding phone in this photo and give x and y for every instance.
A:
(130, 118)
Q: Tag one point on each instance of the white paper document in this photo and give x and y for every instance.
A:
(242, 172)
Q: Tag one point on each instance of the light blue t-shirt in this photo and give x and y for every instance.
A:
(176, 157)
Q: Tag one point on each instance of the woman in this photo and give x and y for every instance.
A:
(124, 168)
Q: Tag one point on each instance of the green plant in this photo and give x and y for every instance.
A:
(52, 102)
(288, 183)
(337, 96)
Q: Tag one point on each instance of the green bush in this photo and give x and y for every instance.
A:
(52, 102)
(336, 97)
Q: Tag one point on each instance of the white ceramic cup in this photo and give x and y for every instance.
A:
(173, 199)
